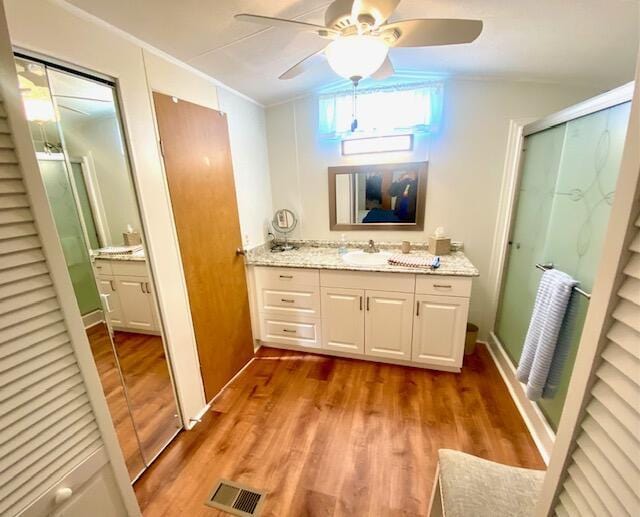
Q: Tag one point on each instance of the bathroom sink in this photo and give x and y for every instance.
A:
(360, 258)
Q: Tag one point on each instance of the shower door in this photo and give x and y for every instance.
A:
(567, 184)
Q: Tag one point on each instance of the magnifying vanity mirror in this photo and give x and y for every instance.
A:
(378, 197)
(284, 222)
(82, 156)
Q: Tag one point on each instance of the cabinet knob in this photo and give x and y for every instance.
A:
(62, 495)
(240, 252)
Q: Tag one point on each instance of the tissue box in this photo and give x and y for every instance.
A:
(131, 238)
(439, 245)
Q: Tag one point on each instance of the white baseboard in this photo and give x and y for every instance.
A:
(93, 318)
(540, 430)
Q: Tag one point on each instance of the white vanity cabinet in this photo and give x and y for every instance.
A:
(129, 302)
(403, 318)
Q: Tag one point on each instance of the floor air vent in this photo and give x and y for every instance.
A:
(236, 499)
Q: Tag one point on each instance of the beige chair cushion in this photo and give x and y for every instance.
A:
(473, 487)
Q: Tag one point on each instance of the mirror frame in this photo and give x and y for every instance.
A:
(421, 199)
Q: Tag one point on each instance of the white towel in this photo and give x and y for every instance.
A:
(541, 343)
(410, 261)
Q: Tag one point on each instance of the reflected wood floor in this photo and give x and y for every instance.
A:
(332, 437)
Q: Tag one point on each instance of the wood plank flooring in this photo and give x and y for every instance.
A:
(331, 437)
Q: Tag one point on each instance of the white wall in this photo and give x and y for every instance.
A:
(57, 30)
(98, 139)
(248, 136)
(466, 161)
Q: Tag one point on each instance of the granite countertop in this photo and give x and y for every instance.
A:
(324, 255)
(136, 256)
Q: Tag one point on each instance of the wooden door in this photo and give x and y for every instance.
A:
(197, 159)
(388, 324)
(439, 330)
(343, 319)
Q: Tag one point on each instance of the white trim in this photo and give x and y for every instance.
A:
(624, 212)
(57, 265)
(534, 419)
(93, 318)
(600, 102)
(76, 11)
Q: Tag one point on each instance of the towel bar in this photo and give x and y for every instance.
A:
(544, 267)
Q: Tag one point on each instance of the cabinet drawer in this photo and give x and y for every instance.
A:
(301, 331)
(129, 268)
(443, 285)
(283, 278)
(398, 282)
(305, 300)
(102, 267)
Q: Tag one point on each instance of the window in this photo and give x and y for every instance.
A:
(382, 110)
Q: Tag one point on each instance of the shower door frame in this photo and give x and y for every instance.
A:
(541, 432)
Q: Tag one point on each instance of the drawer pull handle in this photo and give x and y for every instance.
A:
(285, 300)
(417, 308)
(112, 285)
(367, 303)
(142, 287)
(290, 331)
(286, 276)
(361, 303)
(443, 286)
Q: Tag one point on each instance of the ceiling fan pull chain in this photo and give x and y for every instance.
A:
(354, 108)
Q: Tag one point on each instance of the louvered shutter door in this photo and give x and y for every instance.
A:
(603, 474)
(47, 425)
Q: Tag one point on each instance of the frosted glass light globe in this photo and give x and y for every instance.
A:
(356, 56)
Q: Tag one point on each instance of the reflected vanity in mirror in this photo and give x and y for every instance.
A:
(77, 134)
(388, 196)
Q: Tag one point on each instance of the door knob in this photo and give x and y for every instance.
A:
(240, 252)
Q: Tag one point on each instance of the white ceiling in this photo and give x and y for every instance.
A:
(566, 41)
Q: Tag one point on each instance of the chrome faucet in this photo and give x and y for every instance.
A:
(371, 248)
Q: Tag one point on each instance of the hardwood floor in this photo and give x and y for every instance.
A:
(328, 436)
(149, 415)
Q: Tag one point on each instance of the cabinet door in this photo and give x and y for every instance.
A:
(388, 324)
(113, 313)
(137, 309)
(439, 330)
(343, 319)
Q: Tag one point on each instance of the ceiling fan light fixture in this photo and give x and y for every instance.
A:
(356, 56)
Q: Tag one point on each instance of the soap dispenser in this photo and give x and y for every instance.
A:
(342, 249)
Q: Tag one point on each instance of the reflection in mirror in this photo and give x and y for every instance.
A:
(378, 197)
(76, 131)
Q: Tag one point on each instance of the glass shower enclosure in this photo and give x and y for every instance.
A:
(567, 184)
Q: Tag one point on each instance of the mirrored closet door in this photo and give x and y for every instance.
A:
(82, 155)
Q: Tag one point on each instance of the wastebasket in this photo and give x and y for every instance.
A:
(471, 338)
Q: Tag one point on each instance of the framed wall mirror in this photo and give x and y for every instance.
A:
(389, 196)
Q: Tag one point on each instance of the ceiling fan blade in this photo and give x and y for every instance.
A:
(304, 65)
(385, 70)
(288, 24)
(427, 33)
(381, 10)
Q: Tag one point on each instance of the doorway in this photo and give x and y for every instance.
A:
(77, 134)
(567, 182)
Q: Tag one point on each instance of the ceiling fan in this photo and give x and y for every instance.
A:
(361, 36)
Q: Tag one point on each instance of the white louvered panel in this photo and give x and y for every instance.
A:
(626, 338)
(30, 325)
(47, 425)
(628, 499)
(561, 512)
(632, 269)
(630, 290)
(595, 479)
(625, 413)
(635, 244)
(22, 286)
(569, 505)
(578, 499)
(628, 313)
(625, 461)
(612, 424)
(590, 495)
(622, 360)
